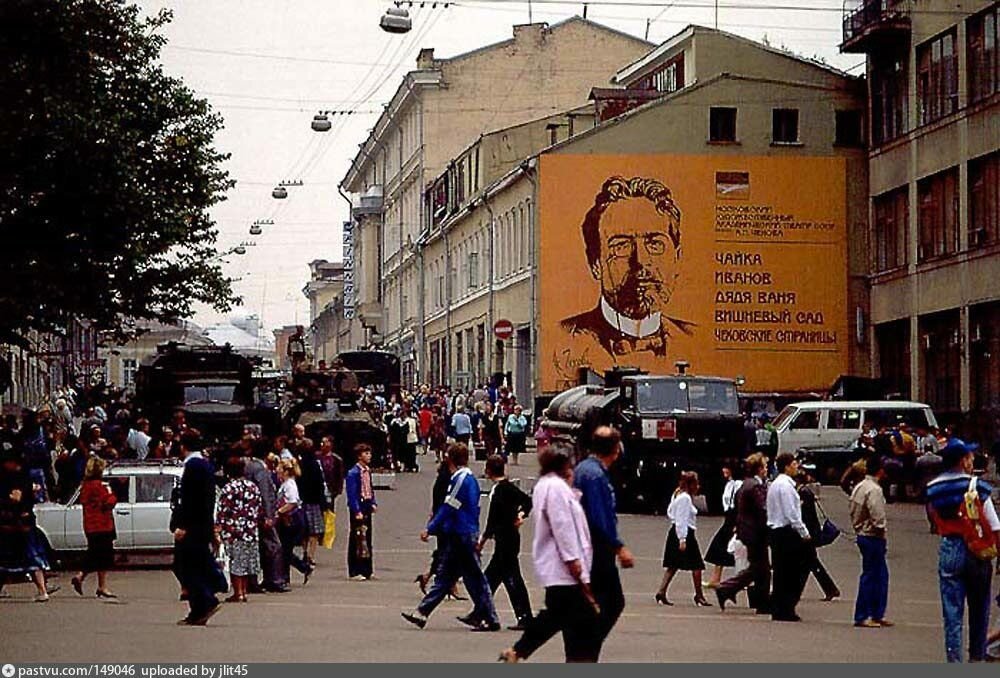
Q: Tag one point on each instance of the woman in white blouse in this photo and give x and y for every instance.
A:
(290, 521)
(718, 550)
(682, 551)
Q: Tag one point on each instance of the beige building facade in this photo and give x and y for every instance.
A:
(438, 110)
(934, 201)
(481, 253)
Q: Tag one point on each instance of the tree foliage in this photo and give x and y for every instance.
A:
(107, 172)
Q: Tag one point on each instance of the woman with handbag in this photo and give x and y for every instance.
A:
(290, 521)
(236, 522)
(682, 551)
(99, 526)
(818, 536)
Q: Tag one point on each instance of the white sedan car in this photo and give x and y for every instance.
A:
(142, 514)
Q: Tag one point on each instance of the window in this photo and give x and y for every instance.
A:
(153, 488)
(893, 341)
(129, 367)
(722, 124)
(937, 78)
(891, 216)
(458, 351)
(470, 355)
(807, 420)
(888, 96)
(844, 420)
(938, 201)
(669, 78)
(984, 201)
(481, 349)
(915, 417)
(848, 129)
(208, 393)
(473, 270)
(984, 72)
(785, 126)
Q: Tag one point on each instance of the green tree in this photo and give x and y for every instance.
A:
(107, 172)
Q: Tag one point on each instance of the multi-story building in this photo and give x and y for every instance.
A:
(438, 110)
(934, 200)
(325, 287)
(476, 255)
(704, 98)
(120, 362)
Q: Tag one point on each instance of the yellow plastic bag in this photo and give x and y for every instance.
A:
(329, 528)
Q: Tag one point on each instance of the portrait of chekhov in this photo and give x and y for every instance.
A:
(632, 238)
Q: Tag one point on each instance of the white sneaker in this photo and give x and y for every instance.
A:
(5, 594)
(42, 598)
(358, 577)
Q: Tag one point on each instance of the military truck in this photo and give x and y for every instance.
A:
(669, 424)
(211, 385)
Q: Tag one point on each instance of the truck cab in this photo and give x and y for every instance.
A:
(669, 424)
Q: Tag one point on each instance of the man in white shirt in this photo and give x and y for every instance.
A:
(138, 439)
(788, 535)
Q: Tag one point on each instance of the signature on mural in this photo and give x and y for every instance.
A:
(567, 364)
(632, 239)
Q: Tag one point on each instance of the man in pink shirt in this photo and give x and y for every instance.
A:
(562, 555)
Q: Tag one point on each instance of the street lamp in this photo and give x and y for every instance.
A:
(255, 227)
(396, 20)
(280, 191)
(321, 123)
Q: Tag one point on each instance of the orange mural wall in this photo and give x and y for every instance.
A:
(736, 265)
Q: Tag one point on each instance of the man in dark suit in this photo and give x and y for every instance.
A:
(633, 243)
(193, 525)
(751, 529)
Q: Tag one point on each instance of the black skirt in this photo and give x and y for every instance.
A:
(688, 559)
(100, 552)
(718, 551)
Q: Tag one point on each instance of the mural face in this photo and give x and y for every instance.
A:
(761, 274)
(632, 241)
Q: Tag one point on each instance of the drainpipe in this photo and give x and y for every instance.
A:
(446, 358)
(492, 306)
(528, 170)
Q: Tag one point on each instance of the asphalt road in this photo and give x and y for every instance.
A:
(333, 619)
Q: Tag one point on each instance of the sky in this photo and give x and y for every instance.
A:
(268, 66)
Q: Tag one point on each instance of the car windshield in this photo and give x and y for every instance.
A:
(208, 393)
(686, 395)
(785, 415)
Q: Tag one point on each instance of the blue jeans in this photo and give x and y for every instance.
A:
(963, 576)
(873, 587)
(458, 558)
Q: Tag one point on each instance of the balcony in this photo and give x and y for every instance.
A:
(875, 22)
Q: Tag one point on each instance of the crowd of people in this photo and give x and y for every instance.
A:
(424, 420)
(264, 505)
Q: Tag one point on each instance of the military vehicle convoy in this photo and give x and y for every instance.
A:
(669, 424)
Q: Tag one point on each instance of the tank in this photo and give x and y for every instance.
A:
(328, 403)
(669, 424)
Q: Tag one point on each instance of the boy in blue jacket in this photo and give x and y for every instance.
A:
(456, 525)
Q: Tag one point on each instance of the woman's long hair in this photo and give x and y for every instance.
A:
(688, 482)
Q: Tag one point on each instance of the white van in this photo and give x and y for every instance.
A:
(839, 422)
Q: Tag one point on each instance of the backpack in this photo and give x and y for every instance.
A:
(970, 524)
